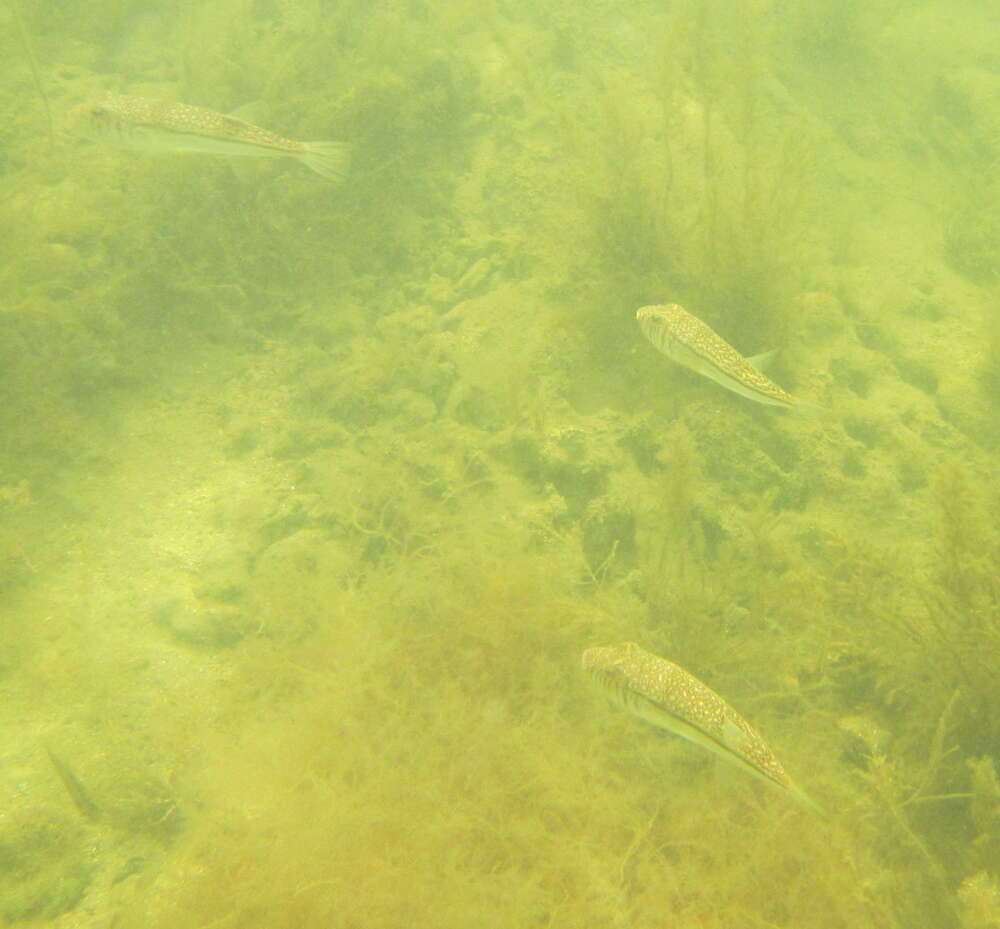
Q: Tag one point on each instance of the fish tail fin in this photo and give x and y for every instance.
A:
(809, 409)
(328, 159)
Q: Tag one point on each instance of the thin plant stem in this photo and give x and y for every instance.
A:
(29, 51)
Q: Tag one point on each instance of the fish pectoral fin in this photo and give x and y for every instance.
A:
(251, 112)
(763, 361)
(806, 801)
(733, 737)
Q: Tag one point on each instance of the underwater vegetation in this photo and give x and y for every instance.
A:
(311, 499)
(953, 631)
(972, 236)
(704, 182)
(929, 655)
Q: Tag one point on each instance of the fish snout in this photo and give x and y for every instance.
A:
(89, 121)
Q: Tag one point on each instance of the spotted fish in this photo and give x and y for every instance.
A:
(664, 694)
(688, 341)
(162, 126)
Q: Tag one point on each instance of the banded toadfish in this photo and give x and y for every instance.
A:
(664, 694)
(162, 126)
(688, 341)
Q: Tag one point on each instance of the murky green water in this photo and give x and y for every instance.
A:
(311, 496)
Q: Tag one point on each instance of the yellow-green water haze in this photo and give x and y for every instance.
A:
(311, 496)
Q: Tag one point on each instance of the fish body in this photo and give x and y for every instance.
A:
(77, 792)
(688, 341)
(162, 126)
(667, 696)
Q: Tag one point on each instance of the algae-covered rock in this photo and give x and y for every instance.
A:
(44, 868)
(211, 625)
(296, 580)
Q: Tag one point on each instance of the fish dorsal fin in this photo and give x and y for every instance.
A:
(763, 361)
(251, 112)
